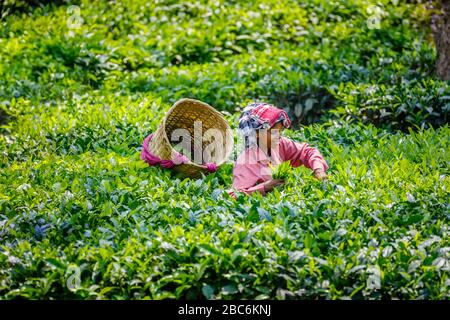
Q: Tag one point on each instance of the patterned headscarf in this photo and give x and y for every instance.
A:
(257, 116)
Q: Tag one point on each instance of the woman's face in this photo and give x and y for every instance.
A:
(272, 135)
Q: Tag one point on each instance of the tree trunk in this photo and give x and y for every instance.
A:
(440, 25)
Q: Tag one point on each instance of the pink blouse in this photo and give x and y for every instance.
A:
(252, 166)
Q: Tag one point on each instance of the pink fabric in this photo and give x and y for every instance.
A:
(271, 114)
(252, 166)
(153, 160)
(212, 167)
(232, 194)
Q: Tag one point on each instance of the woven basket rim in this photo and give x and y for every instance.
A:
(203, 104)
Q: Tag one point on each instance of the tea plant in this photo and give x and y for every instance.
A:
(281, 171)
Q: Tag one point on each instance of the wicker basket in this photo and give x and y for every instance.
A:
(182, 115)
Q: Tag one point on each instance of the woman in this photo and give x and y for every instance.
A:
(261, 125)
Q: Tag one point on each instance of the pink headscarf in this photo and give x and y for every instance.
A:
(257, 116)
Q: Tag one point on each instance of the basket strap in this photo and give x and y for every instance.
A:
(211, 166)
(154, 160)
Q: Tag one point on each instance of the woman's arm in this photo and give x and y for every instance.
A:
(302, 154)
(245, 180)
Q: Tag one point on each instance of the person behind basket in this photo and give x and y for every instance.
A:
(261, 125)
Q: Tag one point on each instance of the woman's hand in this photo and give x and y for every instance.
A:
(269, 185)
(320, 174)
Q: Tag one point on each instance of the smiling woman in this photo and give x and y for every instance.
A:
(261, 125)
